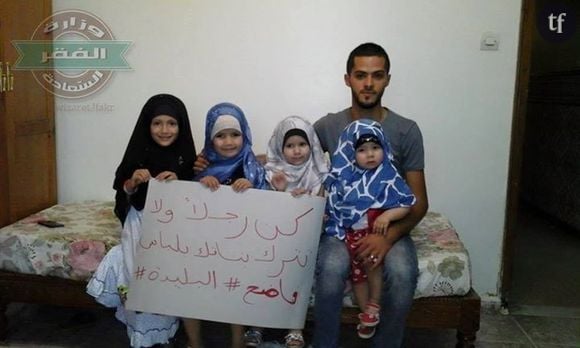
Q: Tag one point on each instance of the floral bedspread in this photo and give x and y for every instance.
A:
(91, 229)
(444, 268)
(72, 252)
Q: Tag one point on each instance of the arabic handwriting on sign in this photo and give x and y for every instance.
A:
(158, 206)
(151, 244)
(241, 232)
(194, 210)
(269, 293)
(229, 216)
(208, 253)
(163, 245)
(211, 279)
(266, 252)
(176, 248)
(184, 279)
(277, 229)
(241, 258)
(295, 258)
(168, 213)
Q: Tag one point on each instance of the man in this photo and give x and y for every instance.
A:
(367, 75)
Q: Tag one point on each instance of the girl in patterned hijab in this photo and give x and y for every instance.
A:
(365, 194)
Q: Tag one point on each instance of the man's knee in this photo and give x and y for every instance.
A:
(332, 256)
(400, 267)
(333, 263)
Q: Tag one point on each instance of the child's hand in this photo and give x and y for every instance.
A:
(166, 176)
(139, 176)
(200, 164)
(381, 224)
(297, 192)
(241, 185)
(210, 182)
(279, 181)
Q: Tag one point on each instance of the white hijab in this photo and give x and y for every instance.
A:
(310, 174)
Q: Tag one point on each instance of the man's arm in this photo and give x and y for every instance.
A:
(379, 245)
(416, 181)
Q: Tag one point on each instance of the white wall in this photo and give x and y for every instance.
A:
(278, 58)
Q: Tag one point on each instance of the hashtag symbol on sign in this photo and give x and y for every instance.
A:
(140, 272)
(232, 284)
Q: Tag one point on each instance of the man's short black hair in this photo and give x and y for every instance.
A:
(368, 49)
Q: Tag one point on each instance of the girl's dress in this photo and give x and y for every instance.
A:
(114, 271)
(228, 169)
(308, 175)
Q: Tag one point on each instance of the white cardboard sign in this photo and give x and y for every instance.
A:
(245, 258)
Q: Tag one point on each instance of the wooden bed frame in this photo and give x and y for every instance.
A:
(461, 313)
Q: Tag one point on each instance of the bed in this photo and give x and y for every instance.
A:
(51, 265)
(444, 298)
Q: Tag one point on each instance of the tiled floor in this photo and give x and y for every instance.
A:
(46, 326)
(546, 259)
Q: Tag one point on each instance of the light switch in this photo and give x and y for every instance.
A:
(489, 42)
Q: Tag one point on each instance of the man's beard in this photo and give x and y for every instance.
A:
(368, 105)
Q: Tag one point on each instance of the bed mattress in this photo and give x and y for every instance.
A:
(91, 229)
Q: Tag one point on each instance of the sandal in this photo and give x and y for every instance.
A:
(369, 319)
(253, 337)
(294, 340)
(365, 332)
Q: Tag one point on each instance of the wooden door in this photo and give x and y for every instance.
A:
(27, 144)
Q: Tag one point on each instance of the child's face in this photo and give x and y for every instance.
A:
(296, 150)
(369, 155)
(228, 142)
(164, 130)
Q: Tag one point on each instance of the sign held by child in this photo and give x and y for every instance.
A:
(224, 256)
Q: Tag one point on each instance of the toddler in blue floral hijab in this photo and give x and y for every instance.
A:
(365, 194)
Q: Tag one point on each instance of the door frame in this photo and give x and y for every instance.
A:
(516, 146)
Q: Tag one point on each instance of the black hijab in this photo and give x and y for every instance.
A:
(144, 153)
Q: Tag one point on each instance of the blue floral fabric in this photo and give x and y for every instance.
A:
(223, 168)
(353, 190)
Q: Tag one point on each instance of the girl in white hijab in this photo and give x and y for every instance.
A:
(295, 160)
(295, 164)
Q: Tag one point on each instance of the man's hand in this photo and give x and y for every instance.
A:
(372, 249)
(200, 164)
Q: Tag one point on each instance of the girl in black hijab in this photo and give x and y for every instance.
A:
(152, 158)
(161, 148)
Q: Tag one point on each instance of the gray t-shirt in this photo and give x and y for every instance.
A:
(402, 133)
